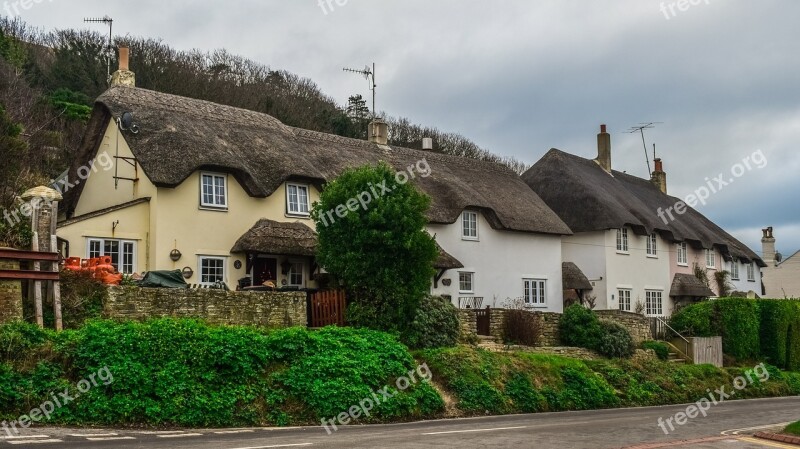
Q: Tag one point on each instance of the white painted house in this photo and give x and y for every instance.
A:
(782, 274)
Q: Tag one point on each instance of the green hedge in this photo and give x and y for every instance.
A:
(780, 333)
(660, 348)
(580, 327)
(737, 320)
(435, 325)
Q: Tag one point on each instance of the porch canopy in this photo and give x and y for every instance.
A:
(280, 238)
(687, 285)
(445, 261)
(573, 278)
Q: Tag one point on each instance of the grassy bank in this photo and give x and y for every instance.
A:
(166, 373)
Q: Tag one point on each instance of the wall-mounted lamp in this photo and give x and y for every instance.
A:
(175, 255)
(187, 272)
(114, 225)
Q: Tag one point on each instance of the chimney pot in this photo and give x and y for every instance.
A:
(768, 247)
(378, 132)
(602, 128)
(123, 58)
(427, 143)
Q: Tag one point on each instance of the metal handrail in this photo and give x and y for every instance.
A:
(673, 330)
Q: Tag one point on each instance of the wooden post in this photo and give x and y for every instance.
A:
(56, 284)
(37, 285)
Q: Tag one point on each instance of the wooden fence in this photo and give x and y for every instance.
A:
(327, 308)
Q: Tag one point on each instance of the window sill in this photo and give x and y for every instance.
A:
(624, 253)
(751, 280)
(735, 279)
(683, 264)
(214, 208)
(711, 268)
(297, 215)
(652, 256)
(470, 239)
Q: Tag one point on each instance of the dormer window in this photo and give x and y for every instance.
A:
(622, 240)
(652, 242)
(213, 191)
(297, 199)
(711, 259)
(469, 225)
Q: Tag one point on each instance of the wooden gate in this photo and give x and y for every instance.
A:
(327, 308)
(483, 319)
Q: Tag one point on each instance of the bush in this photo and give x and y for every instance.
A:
(615, 341)
(780, 333)
(661, 349)
(694, 320)
(579, 327)
(522, 327)
(736, 320)
(436, 325)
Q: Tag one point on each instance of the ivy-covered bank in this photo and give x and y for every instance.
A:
(185, 373)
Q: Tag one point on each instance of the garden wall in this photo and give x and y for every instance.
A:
(269, 309)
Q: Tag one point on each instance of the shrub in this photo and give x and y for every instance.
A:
(661, 349)
(615, 341)
(522, 327)
(579, 327)
(737, 320)
(780, 333)
(435, 325)
(694, 320)
(82, 298)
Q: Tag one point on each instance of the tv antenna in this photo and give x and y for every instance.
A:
(369, 75)
(640, 129)
(109, 50)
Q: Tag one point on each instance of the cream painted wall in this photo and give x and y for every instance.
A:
(99, 191)
(500, 261)
(133, 225)
(783, 281)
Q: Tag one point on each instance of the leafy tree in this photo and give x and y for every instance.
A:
(377, 247)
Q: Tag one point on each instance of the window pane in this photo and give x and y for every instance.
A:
(127, 258)
(219, 191)
(111, 248)
(303, 199)
(94, 249)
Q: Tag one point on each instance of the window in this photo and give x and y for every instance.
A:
(297, 199)
(534, 292)
(652, 240)
(683, 256)
(212, 269)
(624, 300)
(622, 240)
(121, 252)
(296, 274)
(469, 225)
(735, 270)
(653, 306)
(751, 272)
(213, 192)
(711, 259)
(466, 282)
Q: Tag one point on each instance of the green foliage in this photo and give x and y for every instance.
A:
(73, 105)
(793, 428)
(82, 299)
(579, 327)
(381, 252)
(660, 348)
(737, 320)
(780, 333)
(694, 320)
(435, 325)
(12, 51)
(722, 279)
(615, 340)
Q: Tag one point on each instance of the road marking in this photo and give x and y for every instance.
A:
(109, 438)
(23, 437)
(767, 443)
(277, 445)
(737, 431)
(223, 432)
(178, 435)
(474, 430)
(34, 441)
(87, 435)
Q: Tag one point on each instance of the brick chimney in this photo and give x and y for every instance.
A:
(768, 247)
(604, 149)
(378, 132)
(659, 178)
(123, 76)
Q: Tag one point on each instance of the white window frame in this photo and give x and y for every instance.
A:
(200, 274)
(471, 276)
(711, 259)
(654, 298)
(302, 209)
(652, 245)
(683, 254)
(292, 265)
(215, 179)
(534, 292)
(622, 241)
(469, 225)
(734, 270)
(121, 265)
(751, 272)
(624, 296)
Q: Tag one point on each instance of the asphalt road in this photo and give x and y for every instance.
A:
(727, 425)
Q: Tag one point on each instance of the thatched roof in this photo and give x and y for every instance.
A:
(688, 285)
(445, 261)
(588, 198)
(274, 237)
(573, 278)
(178, 136)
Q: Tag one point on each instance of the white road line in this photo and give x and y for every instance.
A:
(34, 441)
(178, 435)
(23, 437)
(159, 432)
(738, 431)
(224, 432)
(474, 430)
(109, 438)
(87, 435)
(276, 445)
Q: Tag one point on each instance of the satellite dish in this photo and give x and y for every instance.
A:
(126, 123)
(778, 257)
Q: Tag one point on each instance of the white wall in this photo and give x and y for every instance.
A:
(500, 261)
(743, 284)
(587, 250)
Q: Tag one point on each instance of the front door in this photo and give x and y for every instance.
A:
(265, 270)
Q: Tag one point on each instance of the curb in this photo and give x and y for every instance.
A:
(778, 437)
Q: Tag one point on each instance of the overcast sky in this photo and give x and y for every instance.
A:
(521, 77)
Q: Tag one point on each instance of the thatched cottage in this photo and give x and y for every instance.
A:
(630, 249)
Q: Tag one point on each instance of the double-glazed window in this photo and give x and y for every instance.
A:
(122, 253)
(735, 270)
(213, 191)
(622, 240)
(297, 199)
(466, 282)
(624, 300)
(683, 254)
(534, 292)
(212, 270)
(751, 272)
(711, 259)
(296, 274)
(653, 304)
(652, 241)
(469, 225)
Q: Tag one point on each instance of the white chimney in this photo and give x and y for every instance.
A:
(427, 143)
(768, 247)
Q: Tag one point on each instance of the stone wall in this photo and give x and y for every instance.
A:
(268, 309)
(468, 322)
(637, 325)
(10, 295)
